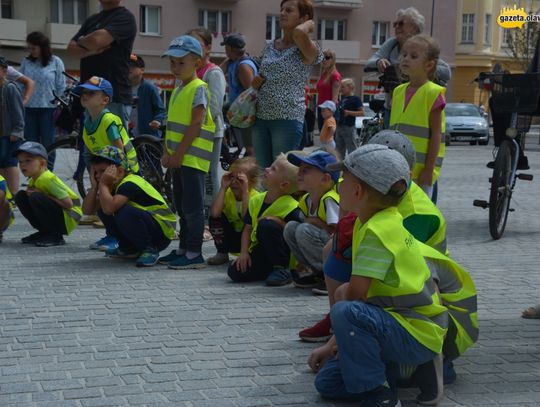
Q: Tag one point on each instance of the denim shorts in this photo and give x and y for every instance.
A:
(7, 148)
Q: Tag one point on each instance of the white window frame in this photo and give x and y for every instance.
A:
(487, 29)
(60, 11)
(11, 7)
(467, 28)
(377, 27)
(221, 14)
(144, 9)
(274, 21)
(324, 21)
(505, 34)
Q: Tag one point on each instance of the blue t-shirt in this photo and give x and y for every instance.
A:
(348, 103)
(235, 87)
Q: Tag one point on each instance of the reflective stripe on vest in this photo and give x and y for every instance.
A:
(414, 303)
(321, 208)
(98, 139)
(161, 212)
(199, 154)
(413, 121)
(44, 184)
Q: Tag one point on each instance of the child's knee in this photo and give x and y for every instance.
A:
(329, 381)
(346, 315)
(289, 232)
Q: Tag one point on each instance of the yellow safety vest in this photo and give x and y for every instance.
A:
(199, 154)
(280, 208)
(230, 209)
(321, 210)
(160, 212)
(416, 202)
(460, 301)
(413, 121)
(44, 184)
(9, 199)
(98, 139)
(414, 302)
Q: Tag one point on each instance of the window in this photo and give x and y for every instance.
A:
(68, 11)
(467, 28)
(150, 20)
(6, 10)
(506, 37)
(331, 29)
(380, 32)
(273, 30)
(215, 21)
(487, 30)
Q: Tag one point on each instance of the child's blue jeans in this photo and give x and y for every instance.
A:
(371, 343)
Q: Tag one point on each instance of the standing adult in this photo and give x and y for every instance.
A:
(240, 70)
(104, 44)
(409, 22)
(328, 84)
(45, 69)
(285, 68)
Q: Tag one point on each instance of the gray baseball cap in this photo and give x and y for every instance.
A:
(378, 166)
(31, 147)
(396, 141)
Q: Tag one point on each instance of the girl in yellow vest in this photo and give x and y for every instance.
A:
(227, 212)
(6, 211)
(418, 108)
(50, 206)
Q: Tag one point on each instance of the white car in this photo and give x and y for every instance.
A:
(465, 122)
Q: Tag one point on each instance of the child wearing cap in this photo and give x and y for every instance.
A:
(390, 314)
(50, 206)
(326, 137)
(6, 210)
(12, 127)
(264, 254)
(131, 209)
(189, 141)
(320, 210)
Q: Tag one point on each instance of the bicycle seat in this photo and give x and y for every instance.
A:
(377, 105)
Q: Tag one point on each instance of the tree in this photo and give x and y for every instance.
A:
(522, 42)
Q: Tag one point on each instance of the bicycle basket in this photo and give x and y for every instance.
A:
(515, 93)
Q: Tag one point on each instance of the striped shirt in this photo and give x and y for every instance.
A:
(374, 260)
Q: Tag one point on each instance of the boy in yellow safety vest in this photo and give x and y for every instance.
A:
(50, 206)
(189, 141)
(6, 211)
(390, 313)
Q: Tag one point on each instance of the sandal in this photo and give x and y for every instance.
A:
(531, 312)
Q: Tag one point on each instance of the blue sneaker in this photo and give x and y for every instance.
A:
(118, 253)
(105, 243)
(148, 258)
(169, 257)
(278, 277)
(184, 263)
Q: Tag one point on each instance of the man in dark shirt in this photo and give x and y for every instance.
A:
(104, 44)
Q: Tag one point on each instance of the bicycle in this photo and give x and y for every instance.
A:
(232, 146)
(374, 124)
(517, 94)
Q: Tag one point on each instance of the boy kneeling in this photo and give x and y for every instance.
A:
(130, 208)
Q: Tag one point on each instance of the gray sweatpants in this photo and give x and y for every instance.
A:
(345, 139)
(306, 243)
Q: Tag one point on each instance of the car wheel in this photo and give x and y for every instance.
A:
(473, 143)
(447, 140)
(484, 142)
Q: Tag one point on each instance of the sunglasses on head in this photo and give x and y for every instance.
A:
(399, 23)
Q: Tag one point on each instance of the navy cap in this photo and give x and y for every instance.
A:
(183, 45)
(318, 159)
(96, 83)
(234, 40)
(33, 148)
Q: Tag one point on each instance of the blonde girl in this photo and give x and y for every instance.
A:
(230, 206)
(329, 82)
(418, 108)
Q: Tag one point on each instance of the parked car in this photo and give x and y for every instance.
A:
(465, 122)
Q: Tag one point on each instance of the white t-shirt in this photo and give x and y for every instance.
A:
(12, 74)
(332, 210)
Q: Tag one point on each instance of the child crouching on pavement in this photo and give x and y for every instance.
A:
(320, 210)
(6, 210)
(228, 210)
(264, 254)
(390, 314)
(131, 209)
(50, 206)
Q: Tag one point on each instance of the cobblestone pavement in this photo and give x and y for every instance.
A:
(77, 329)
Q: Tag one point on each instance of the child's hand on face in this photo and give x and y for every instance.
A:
(93, 178)
(109, 176)
(243, 180)
(226, 180)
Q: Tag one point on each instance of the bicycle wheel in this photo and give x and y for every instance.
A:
(68, 165)
(501, 190)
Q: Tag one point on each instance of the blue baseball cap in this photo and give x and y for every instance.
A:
(318, 159)
(183, 45)
(96, 83)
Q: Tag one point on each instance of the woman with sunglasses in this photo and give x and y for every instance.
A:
(328, 84)
(409, 22)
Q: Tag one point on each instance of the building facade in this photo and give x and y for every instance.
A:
(354, 29)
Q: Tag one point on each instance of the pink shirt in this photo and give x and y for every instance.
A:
(439, 103)
(324, 87)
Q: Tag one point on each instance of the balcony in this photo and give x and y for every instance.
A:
(347, 52)
(338, 4)
(12, 32)
(61, 34)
